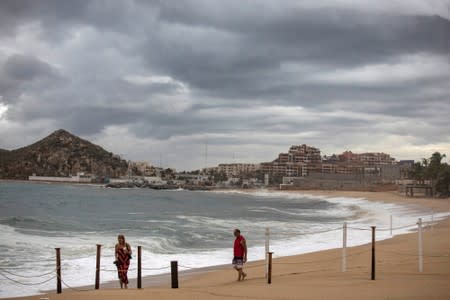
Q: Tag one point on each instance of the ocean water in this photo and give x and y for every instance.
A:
(194, 228)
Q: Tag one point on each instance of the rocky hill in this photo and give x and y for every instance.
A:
(60, 154)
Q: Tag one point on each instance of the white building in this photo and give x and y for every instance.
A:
(79, 178)
(237, 168)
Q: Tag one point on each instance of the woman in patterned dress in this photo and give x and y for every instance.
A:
(123, 255)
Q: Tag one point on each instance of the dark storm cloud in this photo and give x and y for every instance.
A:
(24, 68)
(87, 107)
(213, 69)
(331, 35)
(56, 16)
(25, 73)
(227, 52)
(85, 120)
(50, 13)
(318, 33)
(242, 57)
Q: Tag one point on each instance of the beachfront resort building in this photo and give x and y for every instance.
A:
(299, 161)
(237, 169)
(367, 159)
(306, 163)
(144, 168)
(303, 164)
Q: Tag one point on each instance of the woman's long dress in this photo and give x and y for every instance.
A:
(123, 262)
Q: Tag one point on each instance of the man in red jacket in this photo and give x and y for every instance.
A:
(240, 254)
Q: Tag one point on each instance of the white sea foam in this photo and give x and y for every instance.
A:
(78, 264)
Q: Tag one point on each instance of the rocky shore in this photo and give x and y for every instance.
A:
(168, 186)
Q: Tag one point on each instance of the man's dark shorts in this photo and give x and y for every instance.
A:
(238, 262)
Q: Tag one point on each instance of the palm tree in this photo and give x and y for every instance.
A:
(435, 165)
(418, 171)
(434, 170)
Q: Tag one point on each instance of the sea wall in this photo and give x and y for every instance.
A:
(355, 182)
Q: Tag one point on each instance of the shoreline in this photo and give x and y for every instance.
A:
(200, 284)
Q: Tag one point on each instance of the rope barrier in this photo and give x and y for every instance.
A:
(383, 229)
(155, 269)
(306, 233)
(11, 268)
(27, 276)
(358, 228)
(106, 270)
(71, 288)
(323, 260)
(115, 270)
(186, 267)
(428, 223)
(144, 269)
(322, 231)
(38, 283)
(349, 227)
(24, 283)
(396, 228)
(252, 266)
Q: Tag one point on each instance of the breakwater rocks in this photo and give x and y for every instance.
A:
(133, 184)
(168, 186)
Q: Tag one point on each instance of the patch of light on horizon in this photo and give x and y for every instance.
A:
(409, 67)
(261, 111)
(3, 109)
(411, 7)
(138, 79)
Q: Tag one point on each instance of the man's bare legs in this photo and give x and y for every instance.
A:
(241, 274)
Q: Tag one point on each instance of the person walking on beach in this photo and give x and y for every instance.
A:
(123, 255)
(240, 254)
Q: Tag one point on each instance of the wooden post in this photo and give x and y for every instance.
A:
(419, 224)
(97, 268)
(344, 247)
(174, 273)
(269, 274)
(267, 251)
(58, 271)
(139, 270)
(373, 253)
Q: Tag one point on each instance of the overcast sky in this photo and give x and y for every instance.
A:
(159, 80)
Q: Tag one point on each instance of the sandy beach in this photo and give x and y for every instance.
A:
(318, 275)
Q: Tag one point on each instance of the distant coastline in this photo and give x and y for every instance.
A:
(49, 182)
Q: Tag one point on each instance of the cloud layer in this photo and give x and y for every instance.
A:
(159, 80)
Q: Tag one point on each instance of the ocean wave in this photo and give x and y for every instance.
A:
(44, 226)
(29, 222)
(340, 211)
(263, 194)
